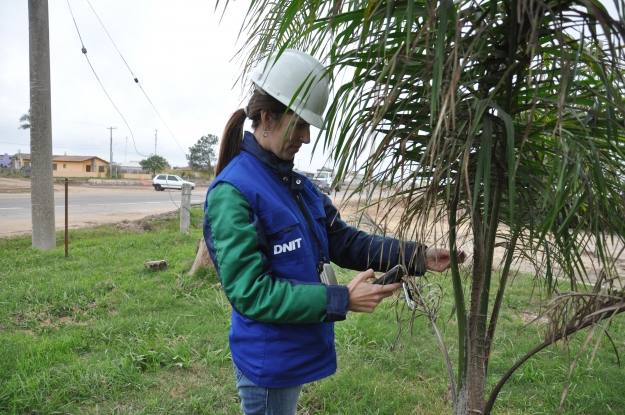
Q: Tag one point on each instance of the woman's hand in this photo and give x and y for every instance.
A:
(439, 259)
(364, 296)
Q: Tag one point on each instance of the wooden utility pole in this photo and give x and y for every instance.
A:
(42, 182)
(66, 216)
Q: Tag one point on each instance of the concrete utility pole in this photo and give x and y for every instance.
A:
(185, 208)
(111, 161)
(155, 137)
(42, 182)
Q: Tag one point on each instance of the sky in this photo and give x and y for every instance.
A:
(182, 54)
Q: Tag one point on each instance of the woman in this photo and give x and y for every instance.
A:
(269, 232)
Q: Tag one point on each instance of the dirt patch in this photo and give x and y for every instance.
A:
(43, 319)
(144, 224)
(14, 185)
(133, 226)
(528, 318)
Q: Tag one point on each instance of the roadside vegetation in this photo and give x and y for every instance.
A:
(14, 176)
(97, 332)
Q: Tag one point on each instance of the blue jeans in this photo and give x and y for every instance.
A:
(256, 400)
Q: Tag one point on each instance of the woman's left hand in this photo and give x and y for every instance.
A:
(439, 259)
(364, 296)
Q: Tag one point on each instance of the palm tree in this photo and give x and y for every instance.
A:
(504, 119)
(25, 120)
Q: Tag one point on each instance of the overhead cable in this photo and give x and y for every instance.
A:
(136, 79)
(84, 51)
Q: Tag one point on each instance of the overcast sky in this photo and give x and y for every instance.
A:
(183, 56)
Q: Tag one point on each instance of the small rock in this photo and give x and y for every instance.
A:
(156, 265)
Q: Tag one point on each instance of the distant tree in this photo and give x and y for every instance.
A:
(154, 164)
(25, 120)
(202, 154)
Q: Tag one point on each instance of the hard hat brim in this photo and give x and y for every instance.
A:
(312, 118)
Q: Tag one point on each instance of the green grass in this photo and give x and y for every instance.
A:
(97, 333)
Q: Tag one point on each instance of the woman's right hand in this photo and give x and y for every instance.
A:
(364, 296)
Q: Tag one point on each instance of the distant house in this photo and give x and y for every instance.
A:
(79, 166)
(67, 166)
(17, 161)
(5, 161)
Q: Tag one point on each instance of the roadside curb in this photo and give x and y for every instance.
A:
(100, 182)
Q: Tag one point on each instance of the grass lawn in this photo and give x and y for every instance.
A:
(98, 333)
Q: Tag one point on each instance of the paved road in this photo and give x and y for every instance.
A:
(91, 206)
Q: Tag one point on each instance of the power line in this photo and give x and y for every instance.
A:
(84, 51)
(136, 79)
(107, 33)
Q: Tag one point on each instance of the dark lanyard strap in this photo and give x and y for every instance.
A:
(305, 213)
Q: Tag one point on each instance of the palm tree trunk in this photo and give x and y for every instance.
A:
(477, 361)
(462, 396)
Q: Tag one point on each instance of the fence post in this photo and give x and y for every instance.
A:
(185, 208)
(66, 216)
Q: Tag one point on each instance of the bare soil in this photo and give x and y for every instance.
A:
(14, 185)
(143, 225)
(376, 219)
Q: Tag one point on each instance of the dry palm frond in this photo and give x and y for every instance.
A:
(569, 313)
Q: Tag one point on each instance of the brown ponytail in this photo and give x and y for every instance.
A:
(231, 140)
(233, 133)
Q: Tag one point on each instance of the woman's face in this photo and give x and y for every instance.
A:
(284, 137)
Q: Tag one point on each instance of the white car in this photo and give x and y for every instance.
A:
(169, 181)
(326, 178)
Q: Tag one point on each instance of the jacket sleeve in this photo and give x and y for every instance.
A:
(357, 250)
(233, 242)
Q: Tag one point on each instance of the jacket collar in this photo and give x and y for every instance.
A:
(282, 168)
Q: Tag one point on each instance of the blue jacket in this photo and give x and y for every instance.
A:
(266, 254)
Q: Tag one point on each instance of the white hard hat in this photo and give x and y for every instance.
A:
(296, 79)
